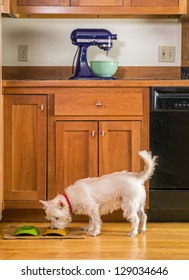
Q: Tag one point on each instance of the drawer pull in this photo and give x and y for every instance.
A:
(99, 104)
(93, 133)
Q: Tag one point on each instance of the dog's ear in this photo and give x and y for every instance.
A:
(45, 203)
(61, 204)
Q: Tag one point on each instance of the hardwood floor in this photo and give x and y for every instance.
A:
(162, 241)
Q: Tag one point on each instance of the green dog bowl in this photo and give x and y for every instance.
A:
(104, 69)
(26, 230)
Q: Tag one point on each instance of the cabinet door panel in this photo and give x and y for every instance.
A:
(76, 152)
(89, 3)
(25, 148)
(43, 2)
(5, 6)
(155, 3)
(119, 144)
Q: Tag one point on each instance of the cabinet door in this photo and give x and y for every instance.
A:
(5, 6)
(76, 152)
(97, 3)
(119, 144)
(155, 3)
(25, 147)
(43, 2)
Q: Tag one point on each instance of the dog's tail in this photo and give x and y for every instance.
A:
(150, 163)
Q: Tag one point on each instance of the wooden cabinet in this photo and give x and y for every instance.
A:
(90, 149)
(5, 6)
(54, 136)
(99, 7)
(24, 150)
(93, 132)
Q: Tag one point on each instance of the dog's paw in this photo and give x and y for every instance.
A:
(93, 233)
(88, 228)
(142, 230)
(132, 233)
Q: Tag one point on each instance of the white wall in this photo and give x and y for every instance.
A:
(49, 40)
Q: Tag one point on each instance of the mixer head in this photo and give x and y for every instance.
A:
(93, 37)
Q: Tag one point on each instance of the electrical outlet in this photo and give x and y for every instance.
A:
(23, 53)
(166, 53)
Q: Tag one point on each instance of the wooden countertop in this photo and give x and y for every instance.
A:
(93, 83)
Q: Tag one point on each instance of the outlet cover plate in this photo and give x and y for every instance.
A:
(23, 53)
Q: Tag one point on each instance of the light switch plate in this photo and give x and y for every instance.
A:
(166, 53)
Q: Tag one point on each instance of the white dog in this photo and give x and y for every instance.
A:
(102, 195)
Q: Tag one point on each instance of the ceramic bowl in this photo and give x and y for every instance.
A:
(104, 69)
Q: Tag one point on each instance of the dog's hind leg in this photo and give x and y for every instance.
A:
(143, 219)
(134, 219)
(130, 212)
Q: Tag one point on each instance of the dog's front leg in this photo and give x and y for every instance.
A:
(90, 225)
(95, 224)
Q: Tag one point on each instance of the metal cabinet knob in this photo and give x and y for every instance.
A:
(99, 104)
(103, 133)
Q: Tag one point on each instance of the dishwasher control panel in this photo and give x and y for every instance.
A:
(169, 98)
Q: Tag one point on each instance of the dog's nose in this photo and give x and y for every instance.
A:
(53, 224)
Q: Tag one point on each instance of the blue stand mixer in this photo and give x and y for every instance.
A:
(85, 38)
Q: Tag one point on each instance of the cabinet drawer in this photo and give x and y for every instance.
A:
(94, 104)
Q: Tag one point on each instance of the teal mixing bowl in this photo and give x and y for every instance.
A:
(104, 69)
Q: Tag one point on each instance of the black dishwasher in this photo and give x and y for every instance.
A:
(169, 139)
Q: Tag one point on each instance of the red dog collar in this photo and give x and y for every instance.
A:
(69, 204)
